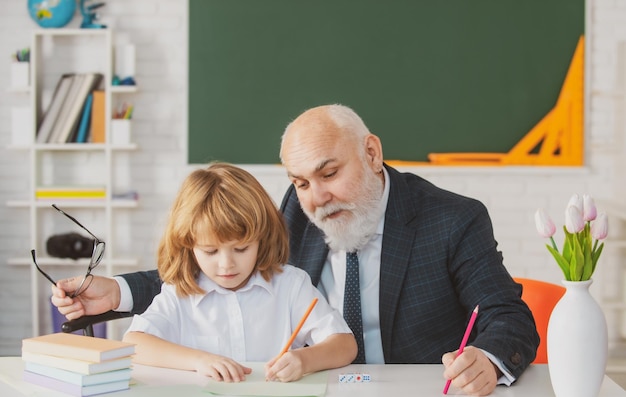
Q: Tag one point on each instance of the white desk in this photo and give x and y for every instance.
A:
(387, 380)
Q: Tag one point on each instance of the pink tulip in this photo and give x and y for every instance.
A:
(600, 228)
(544, 224)
(589, 208)
(574, 221)
(576, 201)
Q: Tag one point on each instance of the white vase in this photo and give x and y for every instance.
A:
(577, 343)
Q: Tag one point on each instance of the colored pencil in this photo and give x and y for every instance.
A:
(468, 330)
(295, 331)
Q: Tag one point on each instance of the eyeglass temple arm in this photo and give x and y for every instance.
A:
(75, 221)
(32, 252)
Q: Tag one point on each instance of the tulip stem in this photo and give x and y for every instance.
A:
(554, 244)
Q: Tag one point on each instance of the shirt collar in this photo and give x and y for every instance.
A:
(383, 202)
(210, 287)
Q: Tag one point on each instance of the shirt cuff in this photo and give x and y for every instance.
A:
(506, 378)
(126, 297)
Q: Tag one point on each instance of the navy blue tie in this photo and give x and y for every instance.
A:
(352, 304)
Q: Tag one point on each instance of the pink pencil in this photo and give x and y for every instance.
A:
(468, 330)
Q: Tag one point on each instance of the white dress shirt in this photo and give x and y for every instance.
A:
(250, 324)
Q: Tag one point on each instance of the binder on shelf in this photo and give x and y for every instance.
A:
(58, 98)
(98, 117)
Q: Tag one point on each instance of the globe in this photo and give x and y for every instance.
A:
(52, 13)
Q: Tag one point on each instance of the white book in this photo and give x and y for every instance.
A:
(83, 367)
(64, 112)
(58, 98)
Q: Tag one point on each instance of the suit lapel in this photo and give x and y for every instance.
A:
(396, 251)
(313, 253)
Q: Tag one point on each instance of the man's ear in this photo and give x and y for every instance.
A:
(374, 152)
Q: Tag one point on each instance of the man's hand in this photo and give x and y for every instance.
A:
(102, 295)
(471, 372)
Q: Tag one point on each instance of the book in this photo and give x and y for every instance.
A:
(52, 113)
(70, 195)
(64, 111)
(88, 83)
(80, 347)
(98, 117)
(78, 378)
(74, 365)
(83, 127)
(70, 192)
(73, 389)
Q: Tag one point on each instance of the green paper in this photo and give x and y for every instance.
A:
(312, 385)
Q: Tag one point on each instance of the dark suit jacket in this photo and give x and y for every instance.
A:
(439, 260)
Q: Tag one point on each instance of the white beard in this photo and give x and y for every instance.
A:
(352, 232)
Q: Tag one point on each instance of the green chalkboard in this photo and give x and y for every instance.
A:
(425, 76)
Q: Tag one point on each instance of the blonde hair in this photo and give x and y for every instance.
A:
(226, 203)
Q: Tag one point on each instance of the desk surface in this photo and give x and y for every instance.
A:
(387, 380)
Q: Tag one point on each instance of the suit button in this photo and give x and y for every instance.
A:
(516, 359)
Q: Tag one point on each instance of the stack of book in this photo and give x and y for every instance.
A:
(77, 365)
(68, 117)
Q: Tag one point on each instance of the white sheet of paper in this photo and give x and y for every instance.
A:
(313, 385)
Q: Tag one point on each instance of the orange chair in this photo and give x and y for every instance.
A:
(541, 297)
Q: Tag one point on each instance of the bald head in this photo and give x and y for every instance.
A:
(331, 124)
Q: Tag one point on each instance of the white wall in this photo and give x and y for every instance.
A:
(158, 28)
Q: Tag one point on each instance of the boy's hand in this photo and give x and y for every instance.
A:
(287, 368)
(222, 368)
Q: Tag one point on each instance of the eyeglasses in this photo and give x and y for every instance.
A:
(96, 257)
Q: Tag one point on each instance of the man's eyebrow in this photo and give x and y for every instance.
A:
(318, 168)
(323, 164)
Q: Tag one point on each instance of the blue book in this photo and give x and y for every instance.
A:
(83, 127)
(77, 378)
